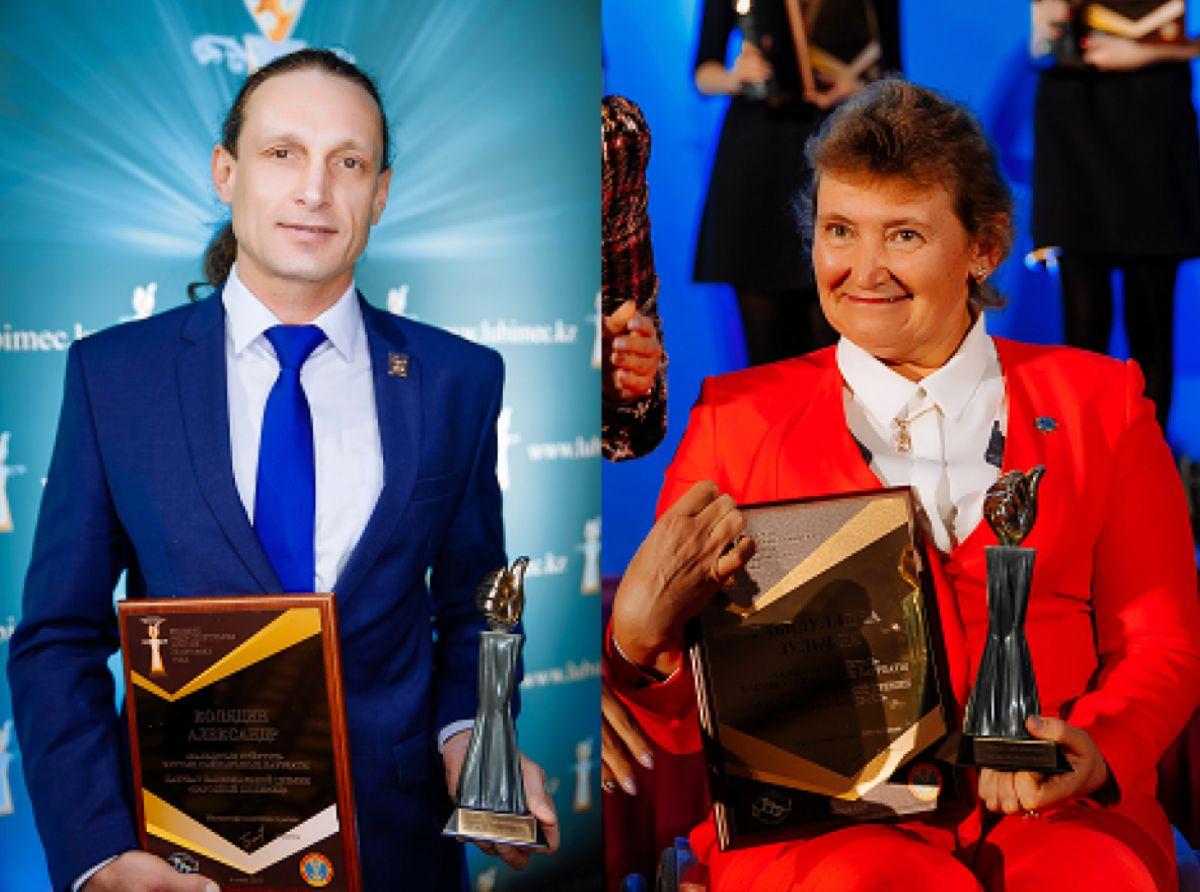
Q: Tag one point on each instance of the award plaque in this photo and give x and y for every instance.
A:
(1005, 692)
(834, 40)
(818, 694)
(490, 805)
(238, 740)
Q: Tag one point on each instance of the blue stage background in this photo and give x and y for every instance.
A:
(976, 53)
(110, 111)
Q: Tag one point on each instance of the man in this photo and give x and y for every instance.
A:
(188, 458)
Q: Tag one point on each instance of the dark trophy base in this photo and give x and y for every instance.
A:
(1008, 754)
(477, 825)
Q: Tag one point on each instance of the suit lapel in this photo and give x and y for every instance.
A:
(816, 453)
(398, 406)
(204, 399)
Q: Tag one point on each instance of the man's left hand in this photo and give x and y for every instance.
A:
(1013, 792)
(454, 750)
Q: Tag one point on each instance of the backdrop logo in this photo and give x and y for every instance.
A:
(276, 20)
(589, 582)
(505, 440)
(6, 471)
(597, 320)
(46, 340)
(397, 300)
(583, 774)
(549, 564)
(511, 332)
(142, 302)
(486, 881)
(6, 801)
(580, 447)
(7, 628)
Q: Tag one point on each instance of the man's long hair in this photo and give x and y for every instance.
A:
(222, 249)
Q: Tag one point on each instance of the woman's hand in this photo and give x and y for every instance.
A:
(750, 67)
(688, 555)
(1110, 53)
(834, 91)
(631, 354)
(621, 742)
(1014, 792)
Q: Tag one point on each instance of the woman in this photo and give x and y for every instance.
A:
(748, 235)
(910, 217)
(1116, 185)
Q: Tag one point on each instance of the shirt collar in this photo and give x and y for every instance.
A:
(884, 393)
(247, 317)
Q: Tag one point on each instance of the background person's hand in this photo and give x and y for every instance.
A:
(1014, 792)
(1048, 16)
(750, 67)
(621, 743)
(537, 800)
(1110, 53)
(833, 91)
(143, 872)
(688, 555)
(631, 354)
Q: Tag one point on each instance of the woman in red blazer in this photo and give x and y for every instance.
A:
(910, 218)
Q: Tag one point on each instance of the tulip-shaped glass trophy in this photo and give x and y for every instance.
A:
(1005, 691)
(491, 793)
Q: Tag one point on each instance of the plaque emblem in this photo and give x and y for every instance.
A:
(316, 870)
(156, 642)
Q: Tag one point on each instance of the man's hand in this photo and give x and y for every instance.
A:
(143, 872)
(691, 551)
(454, 750)
(621, 742)
(1027, 791)
(632, 354)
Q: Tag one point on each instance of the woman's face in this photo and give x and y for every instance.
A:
(892, 263)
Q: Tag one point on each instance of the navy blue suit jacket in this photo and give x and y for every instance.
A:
(141, 481)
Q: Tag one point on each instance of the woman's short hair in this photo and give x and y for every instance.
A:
(896, 129)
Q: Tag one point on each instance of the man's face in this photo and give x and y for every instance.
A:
(306, 184)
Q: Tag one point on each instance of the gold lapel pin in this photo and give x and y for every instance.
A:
(398, 365)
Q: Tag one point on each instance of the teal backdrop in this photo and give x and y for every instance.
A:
(110, 111)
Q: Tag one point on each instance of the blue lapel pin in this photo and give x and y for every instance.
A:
(1045, 424)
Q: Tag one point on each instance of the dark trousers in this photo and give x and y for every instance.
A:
(1149, 315)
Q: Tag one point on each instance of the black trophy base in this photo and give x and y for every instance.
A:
(1009, 754)
(479, 825)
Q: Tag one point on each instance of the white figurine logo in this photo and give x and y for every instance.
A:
(156, 642)
(143, 301)
(486, 881)
(6, 471)
(583, 775)
(397, 300)
(505, 440)
(597, 319)
(6, 801)
(589, 583)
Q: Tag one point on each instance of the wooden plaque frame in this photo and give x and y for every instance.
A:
(312, 864)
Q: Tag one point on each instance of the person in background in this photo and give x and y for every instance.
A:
(748, 236)
(1116, 186)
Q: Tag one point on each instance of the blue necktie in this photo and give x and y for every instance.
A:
(285, 495)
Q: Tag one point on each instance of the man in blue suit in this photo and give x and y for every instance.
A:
(281, 435)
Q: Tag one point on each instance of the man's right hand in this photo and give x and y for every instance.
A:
(691, 551)
(143, 872)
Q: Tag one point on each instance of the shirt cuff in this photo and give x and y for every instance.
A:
(79, 883)
(453, 728)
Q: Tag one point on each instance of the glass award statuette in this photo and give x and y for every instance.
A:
(748, 24)
(238, 740)
(1005, 692)
(818, 697)
(491, 792)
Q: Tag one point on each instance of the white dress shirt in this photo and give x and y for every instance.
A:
(956, 440)
(341, 396)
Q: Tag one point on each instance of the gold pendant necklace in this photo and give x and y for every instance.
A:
(903, 439)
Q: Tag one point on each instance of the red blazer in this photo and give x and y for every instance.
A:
(1113, 620)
